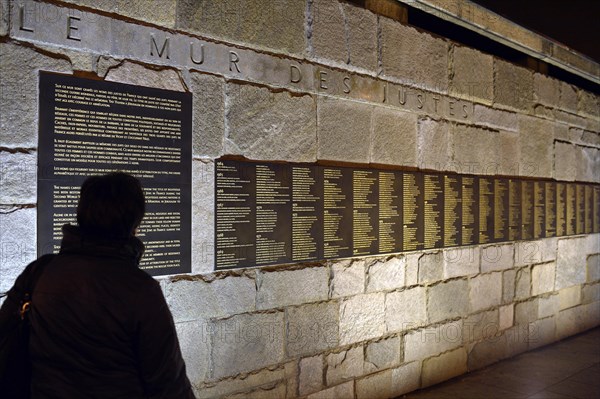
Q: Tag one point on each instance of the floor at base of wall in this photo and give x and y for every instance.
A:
(566, 369)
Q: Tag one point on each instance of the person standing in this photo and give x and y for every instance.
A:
(100, 326)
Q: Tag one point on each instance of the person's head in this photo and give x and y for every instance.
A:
(111, 205)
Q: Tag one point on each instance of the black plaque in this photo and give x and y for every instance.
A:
(501, 208)
(470, 210)
(412, 211)
(580, 209)
(550, 209)
(91, 127)
(596, 209)
(235, 215)
(486, 210)
(307, 211)
(365, 212)
(273, 214)
(571, 209)
(515, 212)
(561, 209)
(589, 206)
(390, 211)
(337, 212)
(539, 209)
(452, 210)
(527, 209)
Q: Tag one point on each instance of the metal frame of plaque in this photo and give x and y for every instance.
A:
(308, 212)
(91, 127)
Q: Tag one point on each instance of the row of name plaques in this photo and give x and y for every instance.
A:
(271, 213)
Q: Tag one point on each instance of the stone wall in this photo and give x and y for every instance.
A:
(372, 91)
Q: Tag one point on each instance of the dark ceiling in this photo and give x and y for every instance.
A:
(574, 23)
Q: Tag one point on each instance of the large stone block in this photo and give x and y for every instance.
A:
(292, 287)
(203, 216)
(412, 56)
(577, 319)
(545, 90)
(361, 26)
(4, 16)
(592, 243)
(18, 178)
(568, 97)
(348, 278)
(533, 252)
(311, 328)
(496, 118)
(208, 111)
(383, 354)
(342, 391)
(570, 262)
(590, 293)
(431, 341)
(589, 164)
(278, 26)
(523, 283)
(161, 13)
(593, 268)
(542, 332)
(137, 74)
(536, 139)
(19, 97)
(406, 309)
(542, 278)
(472, 74)
(377, 385)
(194, 341)
(328, 38)
(311, 375)
(565, 163)
(548, 306)
(17, 243)
(488, 351)
(344, 130)
(483, 325)
(345, 365)
(386, 275)
(245, 382)
(513, 86)
(431, 267)
(589, 103)
(394, 140)
(406, 378)
(508, 285)
(506, 317)
(197, 299)
(412, 268)
(460, 262)
(485, 291)
(478, 149)
(569, 297)
(444, 367)
(447, 300)
(362, 317)
(246, 342)
(433, 150)
(271, 391)
(526, 312)
(262, 124)
(497, 257)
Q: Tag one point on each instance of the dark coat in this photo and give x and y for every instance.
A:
(100, 326)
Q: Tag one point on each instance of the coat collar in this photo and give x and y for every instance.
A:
(75, 242)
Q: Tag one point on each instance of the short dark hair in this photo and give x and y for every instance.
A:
(111, 205)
